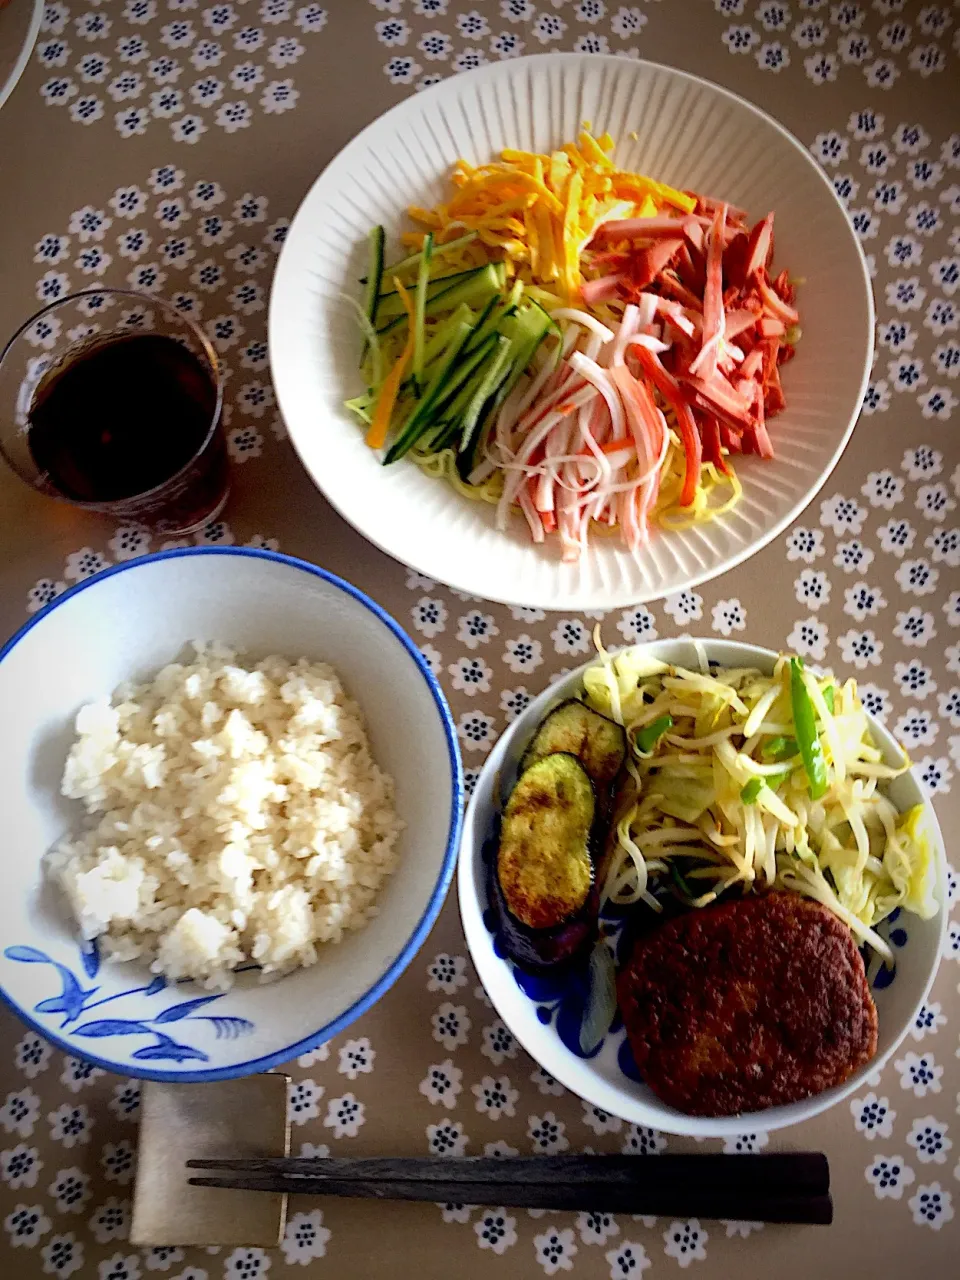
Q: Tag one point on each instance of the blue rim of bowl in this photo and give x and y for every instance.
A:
(437, 897)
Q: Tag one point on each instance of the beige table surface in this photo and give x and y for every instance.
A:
(127, 109)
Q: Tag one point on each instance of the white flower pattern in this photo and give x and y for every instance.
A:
(861, 592)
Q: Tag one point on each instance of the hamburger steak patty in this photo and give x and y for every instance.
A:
(752, 1003)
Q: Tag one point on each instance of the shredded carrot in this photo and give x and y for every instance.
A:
(387, 398)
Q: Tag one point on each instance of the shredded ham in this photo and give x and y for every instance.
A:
(703, 330)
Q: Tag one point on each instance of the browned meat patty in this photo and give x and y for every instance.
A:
(752, 1003)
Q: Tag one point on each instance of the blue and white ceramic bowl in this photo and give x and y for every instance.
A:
(544, 1013)
(125, 624)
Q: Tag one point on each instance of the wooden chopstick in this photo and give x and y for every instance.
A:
(781, 1187)
(790, 1172)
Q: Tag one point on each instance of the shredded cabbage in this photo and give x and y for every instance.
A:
(726, 789)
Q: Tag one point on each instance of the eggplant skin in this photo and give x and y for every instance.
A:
(545, 950)
(544, 878)
(572, 727)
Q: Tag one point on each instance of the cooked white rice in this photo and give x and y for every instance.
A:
(240, 817)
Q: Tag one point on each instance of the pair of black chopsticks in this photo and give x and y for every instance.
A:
(781, 1187)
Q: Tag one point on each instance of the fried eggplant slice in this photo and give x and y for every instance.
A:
(544, 877)
(576, 729)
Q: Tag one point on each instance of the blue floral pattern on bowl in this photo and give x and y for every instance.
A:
(561, 998)
(76, 999)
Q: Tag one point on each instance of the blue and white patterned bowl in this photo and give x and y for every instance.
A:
(544, 1013)
(125, 624)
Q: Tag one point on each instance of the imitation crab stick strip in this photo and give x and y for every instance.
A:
(670, 389)
(591, 372)
(387, 397)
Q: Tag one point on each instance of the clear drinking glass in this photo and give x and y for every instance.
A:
(111, 400)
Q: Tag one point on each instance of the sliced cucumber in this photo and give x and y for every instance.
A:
(476, 290)
(391, 304)
(531, 326)
(494, 375)
(486, 324)
(424, 412)
(371, 295)
(360, 405)
(437, 344)
(456, 394)
(451, 411)
(493, 317)
(419, 336)
(413, 260)
(523, 332)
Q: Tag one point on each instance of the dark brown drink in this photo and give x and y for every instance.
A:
(121, 417)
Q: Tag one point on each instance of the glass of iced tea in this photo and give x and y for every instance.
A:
(111, 400)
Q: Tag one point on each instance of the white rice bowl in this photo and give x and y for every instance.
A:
(239, 817)
(122, 627)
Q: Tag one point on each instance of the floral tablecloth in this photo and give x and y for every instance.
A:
(164, 144)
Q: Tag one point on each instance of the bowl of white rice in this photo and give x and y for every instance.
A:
(231, 793)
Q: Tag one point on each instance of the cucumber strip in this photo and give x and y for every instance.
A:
(437, 282)
(457, 407)
(414, 258)
(493, 376)
(461, 381)
(490, 317)
(476, 290)
(423, 413)
(445, 435)
(526, 331)
(360, 405)
(468, 455)
(371, 295)
(462, 388)
(419, 314)
(390, 298)
(533, 326)
(371, 344)
(429, 412)
(437, 344)
(515, 294)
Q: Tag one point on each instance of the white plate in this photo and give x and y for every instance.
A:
(19, 27)
(691, 134)
(544, 1015)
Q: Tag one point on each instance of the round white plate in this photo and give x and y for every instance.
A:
(19, 27)
(689, 133)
